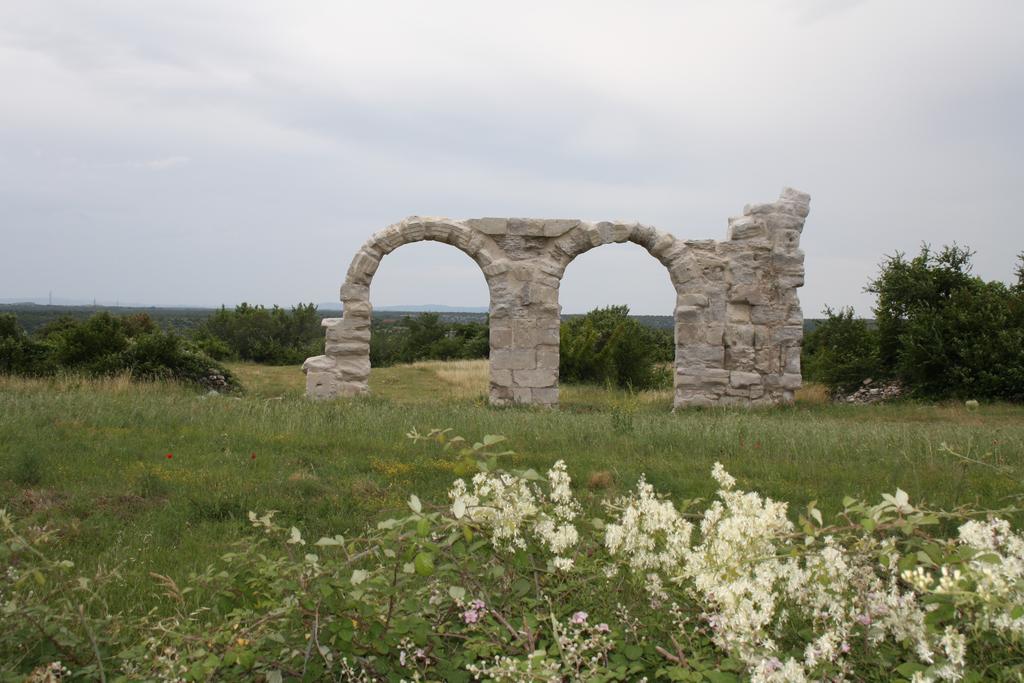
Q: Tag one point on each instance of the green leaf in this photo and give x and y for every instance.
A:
(358, 576)
(633, 652)
(1017, 612)
(424, 563)
(457, 592)
(491, 439)
(720, 677)
(908, 669)
(868, 524)
(940, 615)
(423, 528)
(414, 504)
(274, 676)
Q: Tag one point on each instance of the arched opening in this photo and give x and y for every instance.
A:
(429, 334)
(617, 343)
(344, 369)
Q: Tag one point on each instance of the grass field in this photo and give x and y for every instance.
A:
(92, 457)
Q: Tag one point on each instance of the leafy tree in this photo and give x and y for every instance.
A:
(606, 346)
(945, 332)
(841, 351)
(264, 335)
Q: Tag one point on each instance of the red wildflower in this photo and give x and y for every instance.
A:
(252, 456)
(169, 456)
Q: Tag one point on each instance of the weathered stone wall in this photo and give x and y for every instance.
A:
(738, 323)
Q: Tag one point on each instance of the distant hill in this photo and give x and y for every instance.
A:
(411, 308)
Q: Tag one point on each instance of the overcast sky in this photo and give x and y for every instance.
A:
(199, 152)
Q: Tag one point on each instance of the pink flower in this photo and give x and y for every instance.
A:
(579, 618)
(471, 616)
(864, 619)
(478, 605)
(602, 628)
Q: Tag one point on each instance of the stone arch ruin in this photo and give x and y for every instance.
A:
(738, 323)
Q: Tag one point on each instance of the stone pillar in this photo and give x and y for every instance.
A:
(765, 330)
(524, 322)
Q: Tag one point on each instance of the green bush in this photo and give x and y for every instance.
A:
(841, 351)
(606, 346)
(941, 331)
(105, 345)
(947, 333)
(273, 336)
(426, 337)
(20, 355)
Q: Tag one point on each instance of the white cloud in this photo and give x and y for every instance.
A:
(296, 130)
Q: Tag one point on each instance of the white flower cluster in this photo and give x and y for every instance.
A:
(734, 571)
(510, 507)
(749, 587)
(755, 581)
(997, 571)
(650, 534)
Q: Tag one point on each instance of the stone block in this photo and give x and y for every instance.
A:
(786, 240)
(357, 308)
(689, 314)
(353, 292)
(788, 194)
(691, 300)
(738, 313)
(788, 333)
(558, 227)
(767, 315)
(687, 333)
(746, 227)
(788, 261)
(744, 379)
(739, 335)
(514, 359)
(778, 222)
(748, 293)
(526, 227)
(548, 356)
(523, 395)
(489, 226)
(714, 334)
(701, 355)
(347, 348)
(501, 377)
(792, 355)
(353, 368)
(501, 337)
(362, 269)
(547, 396)
(541, 377)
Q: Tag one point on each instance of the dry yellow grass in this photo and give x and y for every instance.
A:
(65, 382)
(466, 378)
(813, 394)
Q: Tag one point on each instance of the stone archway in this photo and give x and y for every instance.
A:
(738, 322)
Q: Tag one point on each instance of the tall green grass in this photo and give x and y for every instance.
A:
(91, 457)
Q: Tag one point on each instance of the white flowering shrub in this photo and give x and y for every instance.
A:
(510, 580)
